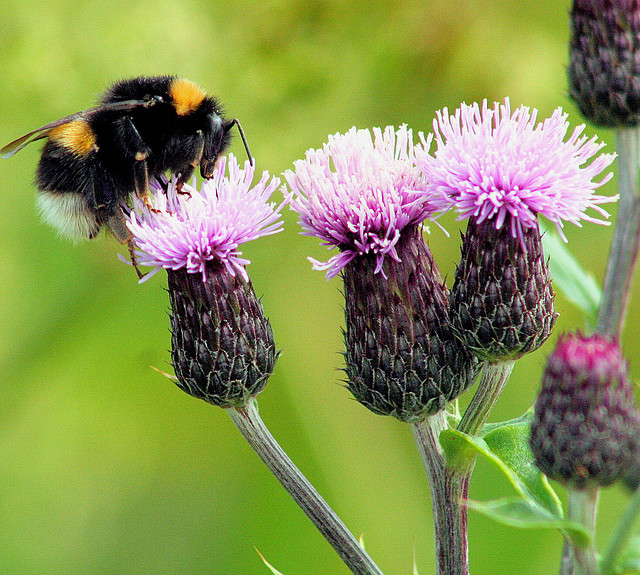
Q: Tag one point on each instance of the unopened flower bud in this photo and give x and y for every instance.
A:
(585, 426)
(604, 66)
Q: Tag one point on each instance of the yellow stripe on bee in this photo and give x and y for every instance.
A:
(186, 96)
(77, 136)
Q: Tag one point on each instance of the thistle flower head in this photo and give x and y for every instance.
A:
(359, 192)
(188, 229)
(585, 426)
(492, 164)
(222, 344)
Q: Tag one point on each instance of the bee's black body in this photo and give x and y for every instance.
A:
(95, 160)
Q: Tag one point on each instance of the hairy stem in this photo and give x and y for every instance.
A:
(253, 429)
(449, 490)
(494, 378)
(626, 237)
(450, 486)
(582, 509)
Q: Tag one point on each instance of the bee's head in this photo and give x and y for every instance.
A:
(216, 141)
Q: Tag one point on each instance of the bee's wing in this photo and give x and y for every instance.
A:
(124, 106)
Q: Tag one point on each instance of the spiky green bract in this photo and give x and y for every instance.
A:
(223, 349)
(502, 300)
(402, 359)
(584, 432)
(604, 63)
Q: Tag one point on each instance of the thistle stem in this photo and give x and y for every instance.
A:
(621, 536)
(494, 378)
(583, 504)
(448, 490)
(567, 564)
(450, 486)
(626, 237)
(253, 429)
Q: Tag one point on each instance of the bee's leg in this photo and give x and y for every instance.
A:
(141, 180)
(118, 227)
(188, 171)
(132, 256)
(135, 148)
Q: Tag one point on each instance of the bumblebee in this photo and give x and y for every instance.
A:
(92, 162)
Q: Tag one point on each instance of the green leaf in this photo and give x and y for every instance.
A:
(415, 565)
(537, 506)
(578, 285)
(518, 512)
(526, 418)
(510, 443)
(461, 449)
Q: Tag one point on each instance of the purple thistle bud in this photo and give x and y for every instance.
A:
(604, 66)
(222, 345)
(501, 170)
(585, 427)
(502, 299)
(367, 198)
(402, 357)
(223, 349)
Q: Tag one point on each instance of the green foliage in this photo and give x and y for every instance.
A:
(506, 446)
(577, 284)
(106, 468)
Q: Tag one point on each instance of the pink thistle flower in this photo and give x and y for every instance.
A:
(358, 193)
(187, 229)
(492, 164)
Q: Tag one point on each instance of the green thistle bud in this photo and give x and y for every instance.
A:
(401, 356)
(604, 67)
(222, 344)
(585, 426)
(502, 300)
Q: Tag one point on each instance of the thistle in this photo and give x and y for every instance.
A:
(604, 69)
(366, 197)
(501, 170)
(222, 344)
(585, 427)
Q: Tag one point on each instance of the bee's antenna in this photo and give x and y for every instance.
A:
(244, 140)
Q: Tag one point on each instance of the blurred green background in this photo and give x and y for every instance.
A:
(105, 466)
